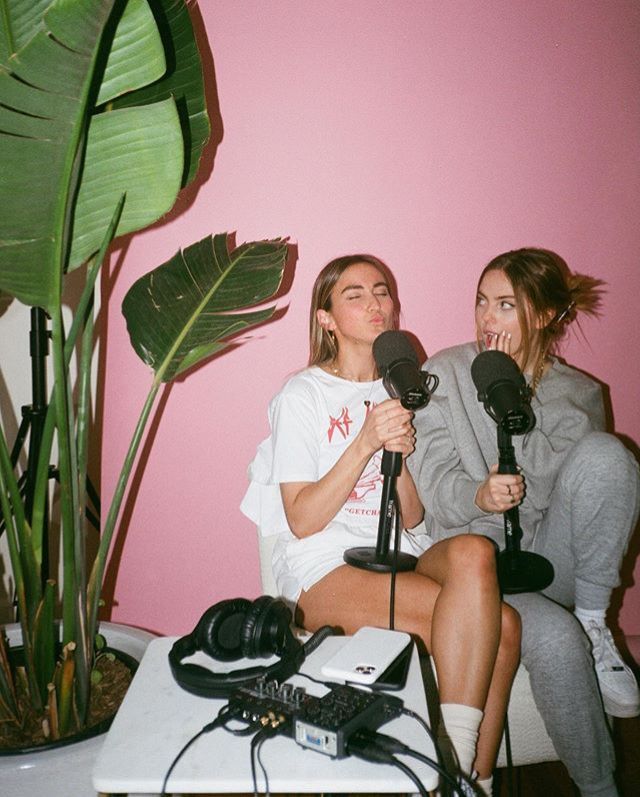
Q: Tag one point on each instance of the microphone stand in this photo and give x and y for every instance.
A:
(379, 558)
(32, 426)
(518, 571)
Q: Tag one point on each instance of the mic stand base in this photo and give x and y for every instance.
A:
(367, 559)
(523, 571)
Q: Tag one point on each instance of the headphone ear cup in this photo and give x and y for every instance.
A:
(266, 628)
(218, 632)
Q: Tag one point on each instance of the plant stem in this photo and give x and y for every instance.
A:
(72, 619)
(97, 572)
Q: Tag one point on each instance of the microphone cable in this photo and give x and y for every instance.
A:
(421, 721)
(271, 725)
(210, 726)
(509, 757)
(392, 746)
(363, 744)
(394, 568)
(256, 744)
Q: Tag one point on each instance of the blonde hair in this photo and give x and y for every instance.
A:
(549, 297)
(323, 346)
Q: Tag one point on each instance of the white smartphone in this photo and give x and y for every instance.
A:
(366, 655)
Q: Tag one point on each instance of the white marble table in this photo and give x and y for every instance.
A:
(157, 718)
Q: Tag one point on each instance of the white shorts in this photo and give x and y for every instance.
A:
(298, 564)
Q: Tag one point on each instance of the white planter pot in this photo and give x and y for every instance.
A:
(65, 771)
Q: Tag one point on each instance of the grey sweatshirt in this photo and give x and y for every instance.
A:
(457, 444)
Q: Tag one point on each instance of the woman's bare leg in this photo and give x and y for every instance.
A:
(452, 602)
(465, 627)
(495, 708)
(482, 632)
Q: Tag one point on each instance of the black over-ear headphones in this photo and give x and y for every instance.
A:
(238, 628)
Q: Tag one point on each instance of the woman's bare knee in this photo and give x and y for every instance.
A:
(473, 557)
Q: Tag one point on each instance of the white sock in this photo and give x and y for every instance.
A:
(460, 726)
(585, 615)
(486, 786)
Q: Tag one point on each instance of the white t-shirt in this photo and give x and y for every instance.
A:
(313, 419)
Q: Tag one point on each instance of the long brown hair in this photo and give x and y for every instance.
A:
(323, 347)
(549, 297)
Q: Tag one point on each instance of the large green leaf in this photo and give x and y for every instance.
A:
(50, 109)
(43, 95)
(137, 152)
(20, 20)
(183, 80)
(137, 55)
(181, 312)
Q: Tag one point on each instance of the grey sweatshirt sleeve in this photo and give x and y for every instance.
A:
(567, 408)
(450, 462)
(446, 489)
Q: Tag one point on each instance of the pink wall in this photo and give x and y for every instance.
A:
(434, 135)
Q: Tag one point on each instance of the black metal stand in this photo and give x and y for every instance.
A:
(518, 571)
(32, 425)
(380, 559)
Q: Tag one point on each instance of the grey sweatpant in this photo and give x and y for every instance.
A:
(584, 533)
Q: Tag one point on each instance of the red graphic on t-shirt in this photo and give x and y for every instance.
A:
(369, 481)
(342, 423)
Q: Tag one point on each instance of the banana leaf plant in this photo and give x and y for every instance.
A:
(102, 122)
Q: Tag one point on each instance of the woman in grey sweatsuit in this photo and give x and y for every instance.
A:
(577, 494)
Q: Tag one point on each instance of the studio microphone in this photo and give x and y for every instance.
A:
(402, 378)
(503, 390)
(507, 399)
(401, 375)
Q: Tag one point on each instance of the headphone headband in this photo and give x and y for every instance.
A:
(235, 629)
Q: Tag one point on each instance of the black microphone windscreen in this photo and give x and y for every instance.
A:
(391, 346)
(492, 366)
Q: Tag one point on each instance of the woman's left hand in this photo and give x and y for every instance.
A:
(500, 491)
(405, 442)
(501, 342)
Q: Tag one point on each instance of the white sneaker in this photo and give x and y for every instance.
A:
(467, 788)
(464, 787)
(618, 686)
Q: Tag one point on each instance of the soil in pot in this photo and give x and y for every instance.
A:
(116, 674)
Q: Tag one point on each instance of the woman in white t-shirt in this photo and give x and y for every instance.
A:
(316, 482)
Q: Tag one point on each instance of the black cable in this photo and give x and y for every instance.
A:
(411, 775)
(434, 741)
(391, 746)
(258, 740)
(361, 746)
(210, 726)
(328, 684)
(507, 746)
(394, 569)
(262, 767)
(414, 715)
(251, 728)
(272, 725)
